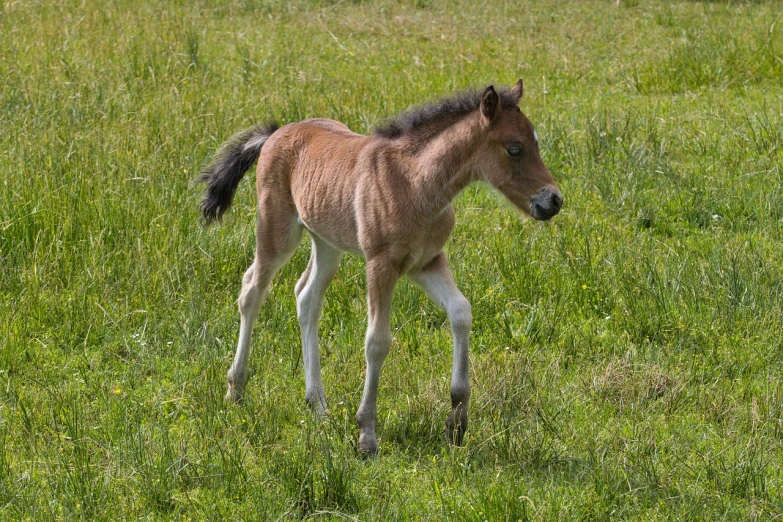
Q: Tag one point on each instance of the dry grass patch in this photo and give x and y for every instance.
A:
(623, 381)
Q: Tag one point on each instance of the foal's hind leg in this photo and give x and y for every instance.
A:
(436, 280)
(277, 236)
(310, 290)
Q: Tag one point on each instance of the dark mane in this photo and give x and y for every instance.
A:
(456, 105)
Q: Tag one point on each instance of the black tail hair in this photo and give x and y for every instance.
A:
(228, 166)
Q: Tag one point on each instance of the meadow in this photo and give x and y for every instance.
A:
(626, 356)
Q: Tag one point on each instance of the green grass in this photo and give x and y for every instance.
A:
(626, 356)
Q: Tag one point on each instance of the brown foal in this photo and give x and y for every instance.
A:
(387, 197)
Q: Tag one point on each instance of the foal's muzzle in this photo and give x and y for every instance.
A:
(546, 203)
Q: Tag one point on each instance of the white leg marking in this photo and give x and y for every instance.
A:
(255, 289)
(381, 280)
(437, 282)
(323, 265)
(251, 298)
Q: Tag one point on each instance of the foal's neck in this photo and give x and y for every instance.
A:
(444, 164)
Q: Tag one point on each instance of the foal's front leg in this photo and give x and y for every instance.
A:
(437, 282)
(381, 279)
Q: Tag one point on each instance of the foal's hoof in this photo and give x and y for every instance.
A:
(236, 386)
(455, 431)
(233, 395)
(319, 411)
(317, 406)
(368, 447)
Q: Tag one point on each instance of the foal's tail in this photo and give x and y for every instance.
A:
(227, 168)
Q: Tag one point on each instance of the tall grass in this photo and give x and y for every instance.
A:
(626, 357)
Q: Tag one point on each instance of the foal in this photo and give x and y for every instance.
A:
(386, 197)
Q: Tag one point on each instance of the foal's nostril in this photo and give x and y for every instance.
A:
(546, 204)
(556, 201)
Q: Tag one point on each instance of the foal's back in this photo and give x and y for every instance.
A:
(341, 182)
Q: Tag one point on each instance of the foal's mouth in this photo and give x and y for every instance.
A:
(542, 214)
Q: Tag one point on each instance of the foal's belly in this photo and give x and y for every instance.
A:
(333, 228)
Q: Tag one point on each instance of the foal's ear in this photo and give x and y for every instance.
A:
(517, 91)
(490, 103)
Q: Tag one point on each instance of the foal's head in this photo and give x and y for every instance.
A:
(509, 158)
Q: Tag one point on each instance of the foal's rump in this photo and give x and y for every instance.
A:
(308, 168)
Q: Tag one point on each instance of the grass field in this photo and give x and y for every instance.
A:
(626, 356)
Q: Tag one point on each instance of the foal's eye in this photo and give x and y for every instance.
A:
(514, 151)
